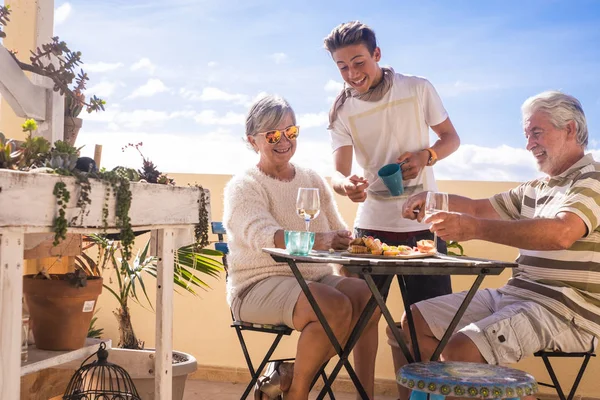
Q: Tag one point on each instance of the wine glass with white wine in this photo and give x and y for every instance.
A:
(435, 202)
(308, 204)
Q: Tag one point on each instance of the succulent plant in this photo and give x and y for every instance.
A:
(9, 153)
(62, 161)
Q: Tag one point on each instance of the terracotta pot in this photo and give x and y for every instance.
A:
(60, 313)
(72, 127)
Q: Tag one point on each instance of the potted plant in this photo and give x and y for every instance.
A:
(73, 107)
(127, 277)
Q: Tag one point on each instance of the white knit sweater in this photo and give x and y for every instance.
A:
(257, 206)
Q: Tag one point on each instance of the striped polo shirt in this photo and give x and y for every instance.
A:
(566, 282)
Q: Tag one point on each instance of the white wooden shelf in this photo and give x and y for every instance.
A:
(42, 359)
(28, 208)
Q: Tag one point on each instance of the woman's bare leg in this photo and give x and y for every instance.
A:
(314, 347)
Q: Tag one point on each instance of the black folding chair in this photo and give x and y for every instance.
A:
(545, 355)
(278, 330)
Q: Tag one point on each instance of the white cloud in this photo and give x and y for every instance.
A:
(223, 141)
(212, 64)
(503, 163)
(103, 89)
(101, 67)
(470, 162)
(279, 58)
(135, 119)
(210, 117)
(213, 94)
(61, 14)
(143, 64)
(150, 88)
(311, 120)
(334, 86)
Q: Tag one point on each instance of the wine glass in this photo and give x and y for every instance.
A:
(308, 204)
(435, 202)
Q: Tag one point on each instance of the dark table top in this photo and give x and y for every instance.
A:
(440, 264)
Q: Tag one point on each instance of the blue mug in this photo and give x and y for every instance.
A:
(391, 175)
(299, 243)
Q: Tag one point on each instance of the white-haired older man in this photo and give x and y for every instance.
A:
(553, 300)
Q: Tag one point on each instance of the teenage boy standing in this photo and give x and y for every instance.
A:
(384, 117)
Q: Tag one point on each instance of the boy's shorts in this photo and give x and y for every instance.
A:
(506, 328)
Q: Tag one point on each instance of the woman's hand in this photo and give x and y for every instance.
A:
(337, 240)
(413, 163)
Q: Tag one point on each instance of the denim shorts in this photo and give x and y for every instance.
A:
(418, 287)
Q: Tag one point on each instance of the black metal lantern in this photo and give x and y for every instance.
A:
(101, 380)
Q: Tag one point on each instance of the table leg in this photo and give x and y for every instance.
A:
(11, 291)
(328, 332)
(457, 317)
(386, 313)
(409, 317)
(163, 381)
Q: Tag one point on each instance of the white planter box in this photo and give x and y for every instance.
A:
(28, 207)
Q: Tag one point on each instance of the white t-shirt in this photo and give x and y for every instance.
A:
(379, 133)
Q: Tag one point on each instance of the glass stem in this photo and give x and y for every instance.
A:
(435, 239)
(307, 221)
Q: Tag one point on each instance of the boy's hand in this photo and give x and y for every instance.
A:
(414, 207)
(413, 163)
(355, 188)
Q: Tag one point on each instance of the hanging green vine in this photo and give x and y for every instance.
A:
(201, 228)
(83, 200)
(59, 225)
(122, 191)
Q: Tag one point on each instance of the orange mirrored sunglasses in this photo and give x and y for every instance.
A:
(274, 136)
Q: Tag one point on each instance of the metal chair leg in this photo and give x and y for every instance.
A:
(255, 374)
(586, 359)
(556, 384)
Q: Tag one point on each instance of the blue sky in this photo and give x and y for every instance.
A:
(180, 75)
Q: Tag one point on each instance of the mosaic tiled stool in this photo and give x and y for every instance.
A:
(479, 381)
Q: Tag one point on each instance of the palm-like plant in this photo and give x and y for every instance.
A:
(189, 264)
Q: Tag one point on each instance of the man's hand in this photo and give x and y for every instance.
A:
(453, 226)
(355, 188)
(413, 163)
(337, 240)
(414, 207)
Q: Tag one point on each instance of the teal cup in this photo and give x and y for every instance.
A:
(391, 175)
(299, 243)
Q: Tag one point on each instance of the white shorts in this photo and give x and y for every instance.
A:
(272, 300)
(506, 328)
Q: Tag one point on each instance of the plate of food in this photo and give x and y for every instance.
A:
(368, 247)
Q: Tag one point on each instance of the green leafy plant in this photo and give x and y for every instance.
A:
(129, 276)
(9, 153)
(94, 332)
(4, 12)
(35, 150)
(455, 246)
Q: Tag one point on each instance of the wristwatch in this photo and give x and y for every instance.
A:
(432, 157)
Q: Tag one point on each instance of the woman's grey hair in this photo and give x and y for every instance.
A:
(561, 108)
(266, 113)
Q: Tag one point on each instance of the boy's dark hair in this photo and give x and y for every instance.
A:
(351, 33)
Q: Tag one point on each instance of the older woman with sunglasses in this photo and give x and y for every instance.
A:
(259, 205)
